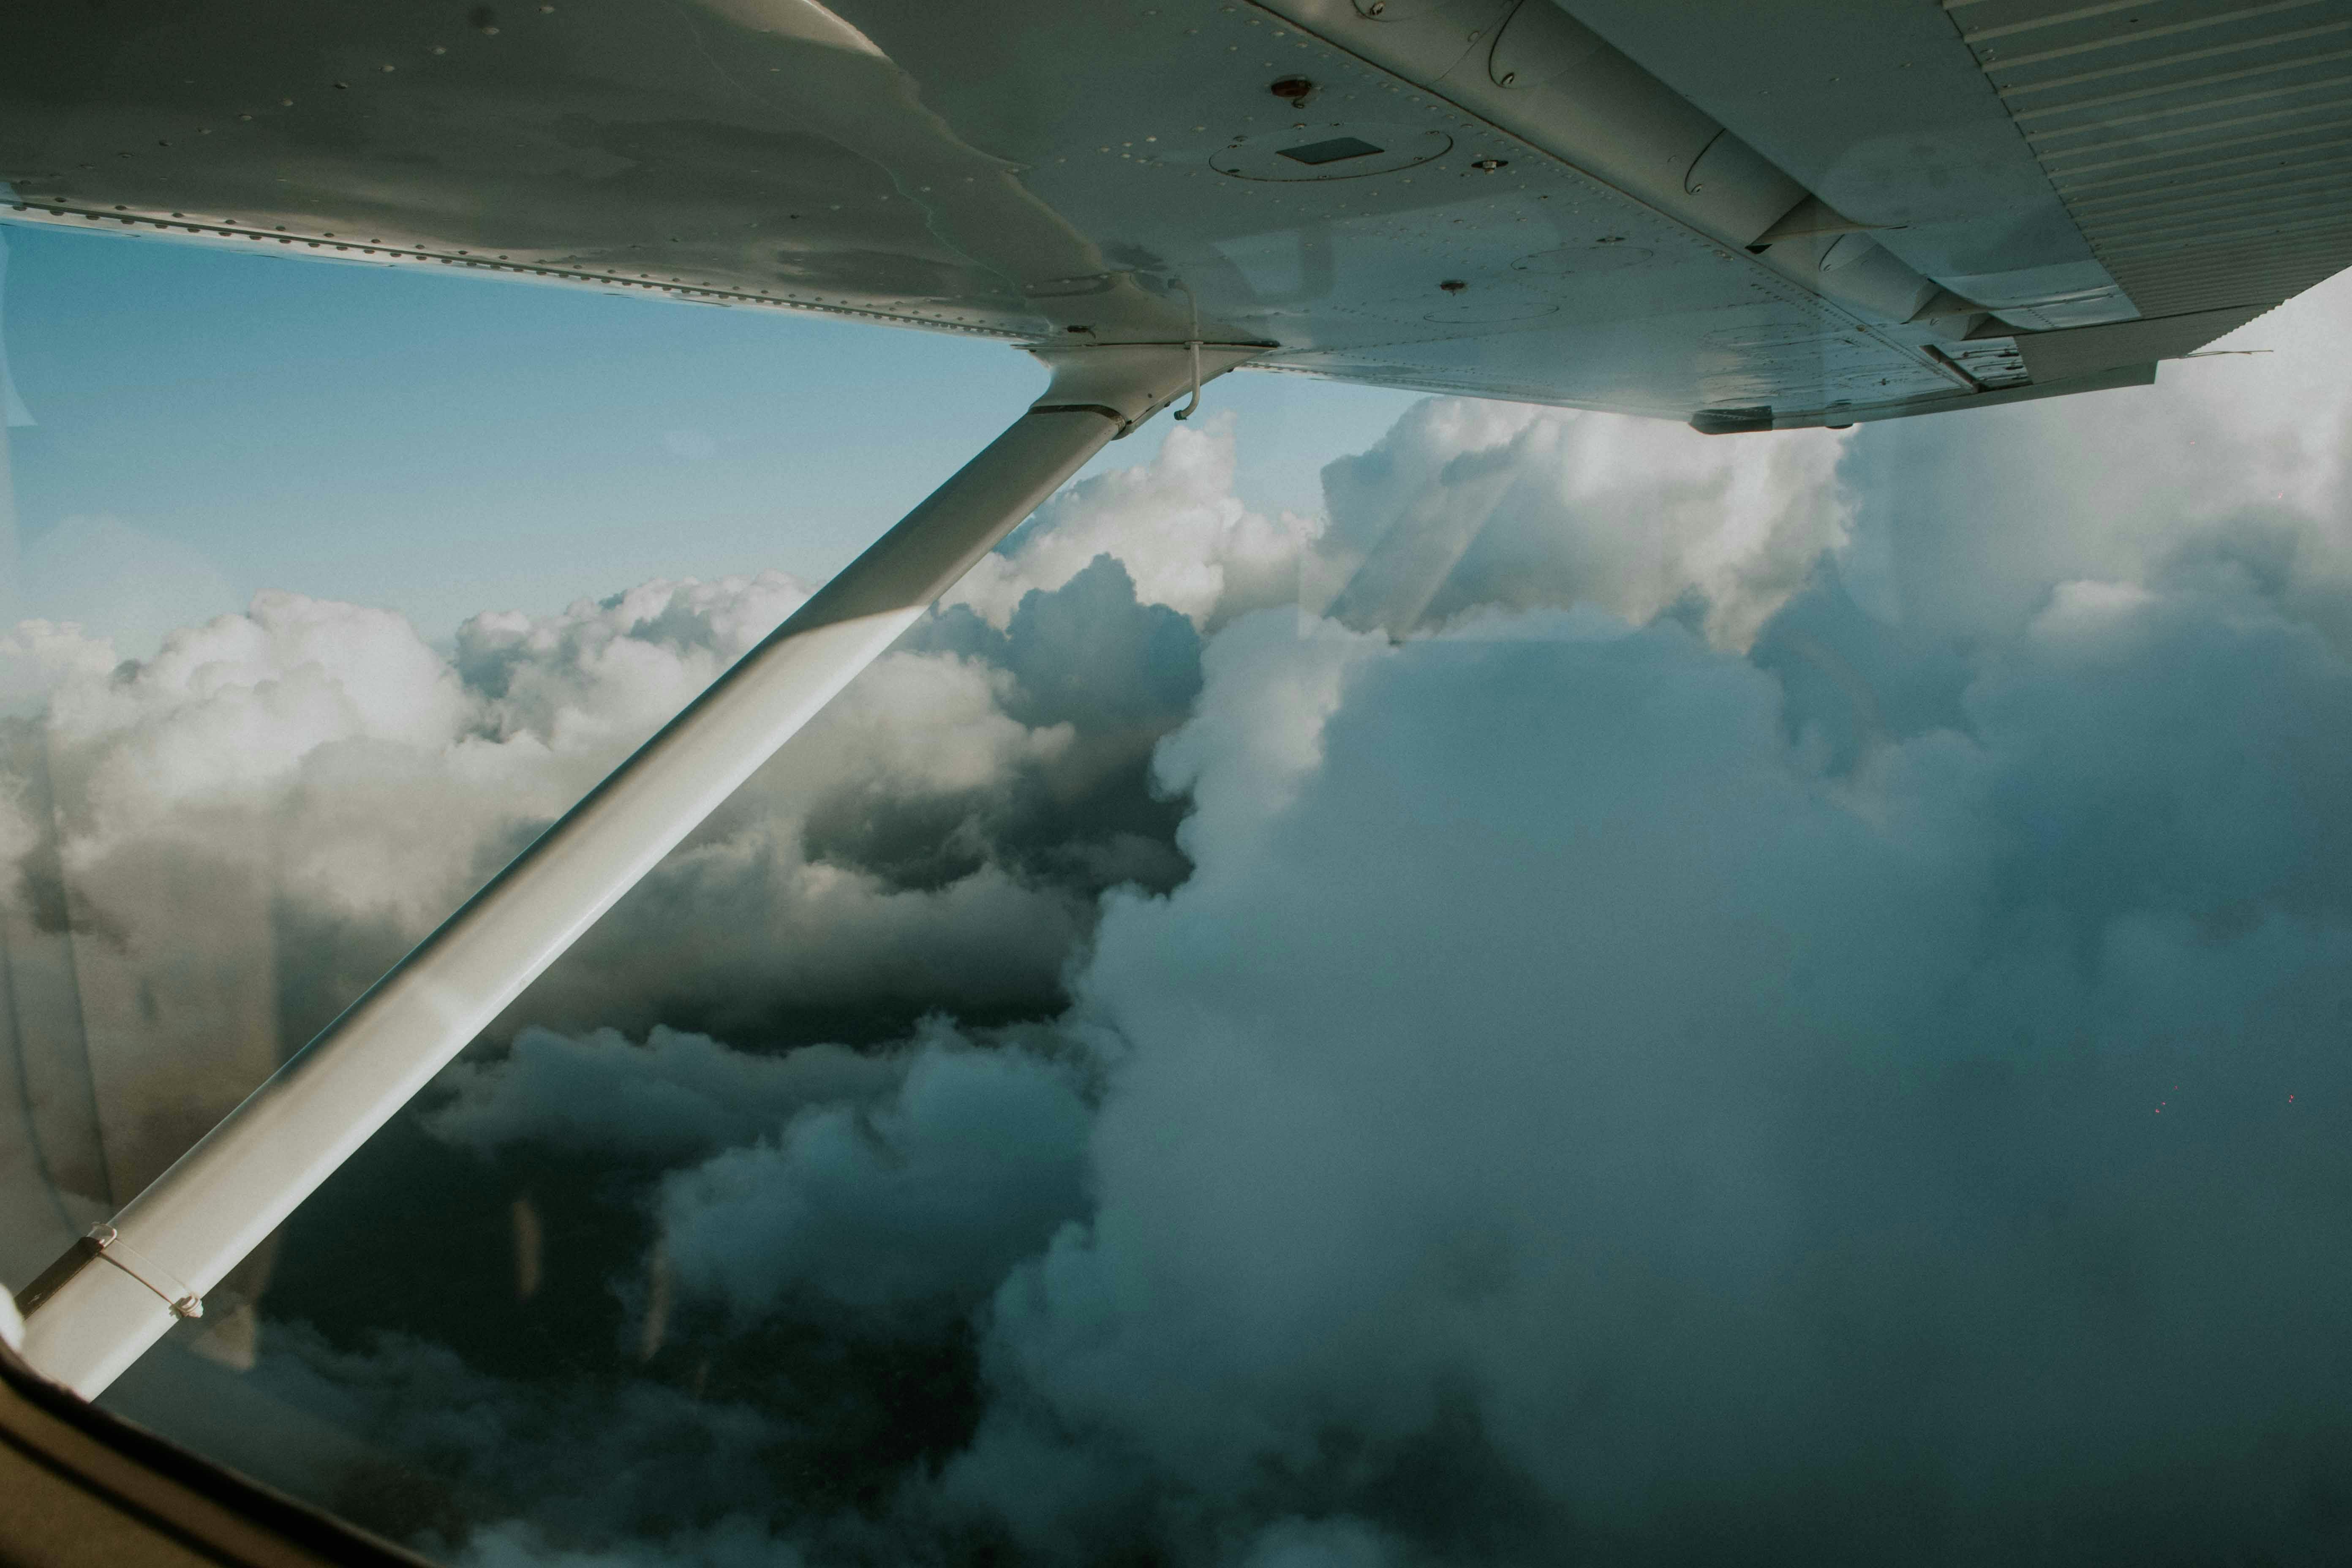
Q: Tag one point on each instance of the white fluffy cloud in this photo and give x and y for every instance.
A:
(1174, 521)
(1465, 509)
(2231, 466)
(256, 820)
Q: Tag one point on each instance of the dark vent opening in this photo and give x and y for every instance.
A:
(1336, 150)
(1731, 421)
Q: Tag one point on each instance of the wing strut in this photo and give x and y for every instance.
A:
(103, 1304)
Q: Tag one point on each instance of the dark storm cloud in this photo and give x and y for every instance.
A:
(925, 1200)
(1899, 1166)
(672, 1097)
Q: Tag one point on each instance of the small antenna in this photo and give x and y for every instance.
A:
(1193, 343)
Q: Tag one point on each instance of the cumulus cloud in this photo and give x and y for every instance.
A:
(256, 820)
(1174, 523)
(1465, 509)
(673, 1096)
(37, 656)
(1734, 999)
(2234, 468)
(875, 1180)
(1571, 1058)
(974, 1162)
(325, 784)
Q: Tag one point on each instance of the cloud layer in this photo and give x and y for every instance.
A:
(1707, 1000)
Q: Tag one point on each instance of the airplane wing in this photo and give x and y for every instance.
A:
(1749, 216)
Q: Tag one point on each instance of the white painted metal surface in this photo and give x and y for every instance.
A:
(1578, 202)
(176, 1239)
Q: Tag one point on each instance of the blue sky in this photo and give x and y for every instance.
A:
(210, 423)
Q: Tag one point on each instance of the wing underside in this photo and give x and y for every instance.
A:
(1747, 216)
